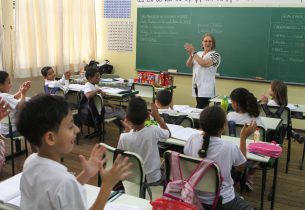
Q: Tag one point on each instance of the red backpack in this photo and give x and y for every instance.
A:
(185, 190)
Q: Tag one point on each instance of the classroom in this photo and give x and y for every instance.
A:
(149, 36)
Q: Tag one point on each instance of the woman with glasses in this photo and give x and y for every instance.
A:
(204, 64)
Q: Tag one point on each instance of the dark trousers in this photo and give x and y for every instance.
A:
(202, 102)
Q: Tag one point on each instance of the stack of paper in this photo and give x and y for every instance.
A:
(186, 109)
(181, 133)
(112, 90)
(117, 206)
(10, 192)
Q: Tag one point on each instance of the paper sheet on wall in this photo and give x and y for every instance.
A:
(120, 36)
(117, 9)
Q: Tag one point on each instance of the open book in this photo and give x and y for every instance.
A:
(9, 190)
(181, 133)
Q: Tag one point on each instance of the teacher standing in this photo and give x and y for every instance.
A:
(204, 64)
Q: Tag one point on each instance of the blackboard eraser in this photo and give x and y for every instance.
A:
(259, 78)
(172, 70)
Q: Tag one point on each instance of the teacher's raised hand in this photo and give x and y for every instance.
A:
(189, 48)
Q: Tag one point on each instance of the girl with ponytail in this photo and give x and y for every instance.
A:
(225, 153)
(246, 107)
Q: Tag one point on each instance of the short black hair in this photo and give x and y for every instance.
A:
(44, 70)
(164, 97)
(137, 110)
(3, 76)
(91, 72)
(41, 114)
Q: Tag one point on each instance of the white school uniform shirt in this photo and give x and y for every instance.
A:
(243, 118)
(62, 83)
(226, 154)
(204, 77)
(47, 184)
(12, 102)
(144, 143)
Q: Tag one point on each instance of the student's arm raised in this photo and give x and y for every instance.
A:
(157, 117)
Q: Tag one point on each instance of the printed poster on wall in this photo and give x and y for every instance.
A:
(120, 36)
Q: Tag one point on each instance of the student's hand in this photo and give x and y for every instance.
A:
(25, 87)
(264, 98)
(4, 109)
(91, 166)
(119, 171)
(67, 75)
(126, 125)
(154, 110)
(99, 91)
(247, 130)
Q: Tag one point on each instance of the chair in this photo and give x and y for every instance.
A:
(187, 122)
(72, 103)
(99, 103)
(188, 164)
(286, 117)
(146, 91)
(90, 116)
(138, 175)
(14, 140)
(8, 206)
(238, 128)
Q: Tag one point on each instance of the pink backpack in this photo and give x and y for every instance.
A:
(264, 148)
(185, 190)
(2, 154)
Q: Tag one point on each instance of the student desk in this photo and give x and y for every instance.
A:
(109, 95)
(92, 192)
(250, 156)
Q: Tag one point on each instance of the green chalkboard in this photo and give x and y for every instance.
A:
(252, 42)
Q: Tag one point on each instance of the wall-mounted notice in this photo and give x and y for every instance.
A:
(117, 8)
(143, 3)
(120, 36)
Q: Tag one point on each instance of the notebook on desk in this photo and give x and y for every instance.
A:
(181, 133)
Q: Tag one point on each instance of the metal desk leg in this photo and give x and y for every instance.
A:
(274, 184)
(302, 161)
(288, 154)
(264, 175)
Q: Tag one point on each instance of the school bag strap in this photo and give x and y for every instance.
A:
(203, 167)
(276, 114)
(175, 166)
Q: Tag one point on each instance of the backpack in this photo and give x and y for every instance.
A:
(2, 154)
(185, 190)
(105, 68)
(88, 113)
(279, 134)
(172, 119)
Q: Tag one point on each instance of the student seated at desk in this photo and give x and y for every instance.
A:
(47, 184)
(246, 107)
(90, 90)
(49, 79)
(143, 140)
(14, 101)
(278, 94)
(164, 101)
(226, 154)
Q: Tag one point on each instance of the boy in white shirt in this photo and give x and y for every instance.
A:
(164, 101)
(14, 101)
(49, 76)
(143, 140)
(90, 90)
(47, 184)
